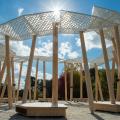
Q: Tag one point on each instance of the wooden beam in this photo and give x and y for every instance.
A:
(115, 58)
(27, 80)
(108, 74)
(3, 89)
(36, 78)
(117, 41)
(13, 79)
(114, 44)
(87, 73)
(81, 81)
(55, 65)
(2, 72)
(19, 81)
(115, 51)
(98, 84)
(8, 71)
(71, 85)
(113, 70)
(0, 66)
(44, 80)
(65, 77)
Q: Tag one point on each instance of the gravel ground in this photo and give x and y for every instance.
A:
(75, 111)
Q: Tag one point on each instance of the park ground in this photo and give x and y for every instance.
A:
(75, 111)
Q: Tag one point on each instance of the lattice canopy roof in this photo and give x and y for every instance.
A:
(40, 24)
(40, 58)
(109, 16)
(75, 60)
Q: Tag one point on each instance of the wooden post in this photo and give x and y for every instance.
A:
(114, 44)
(65, 76)
(27, 80)
(44, 80)
(36, 77)
(109, 80)
(3, 89)
(81, 81)
(115, 58)
(115, 51)
(87, 73)
(29, 91)
(13, 79)
(98, 84)
(0, 66)
(8, 71)
(71, 84)
(55, 65)
(113, 70)
(2, 72)
(19, 80)
(117, 41)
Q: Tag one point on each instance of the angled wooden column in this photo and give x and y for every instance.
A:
(7, 38)
(0, 65)
(36, 78)
(44, 79)
(19, 80)
(115, 51)
(2, 72)
(108, 74)
(113, 70)
(98, 88)
(87, 73)
(71, 85)
(29, 91)
(65, 76)
(27, 80)
(55, 65)
(114, 45)
(117, 41)
(115, 58)
(81, 81)
(13, 79)
(96, 83)
(3, 89)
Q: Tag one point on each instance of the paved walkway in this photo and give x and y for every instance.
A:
(75, 111)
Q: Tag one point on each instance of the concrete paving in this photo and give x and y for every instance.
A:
(75, 111)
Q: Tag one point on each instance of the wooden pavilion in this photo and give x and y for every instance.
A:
(66, 22)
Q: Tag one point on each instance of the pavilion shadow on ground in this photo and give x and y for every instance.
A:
(18, 116)
(99, 117)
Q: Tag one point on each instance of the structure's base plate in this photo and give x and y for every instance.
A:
(107, 106)
(80, 99)
(3, 100)
(45, 99)
(41, 109)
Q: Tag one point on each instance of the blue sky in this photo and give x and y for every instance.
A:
(69, 46)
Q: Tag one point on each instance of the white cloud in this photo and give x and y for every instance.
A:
(24, 50)
(45, 49)
(92, 40)
(65, 49)
(40, 74)
(73, 55)
(20, 11)
(19, 48)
